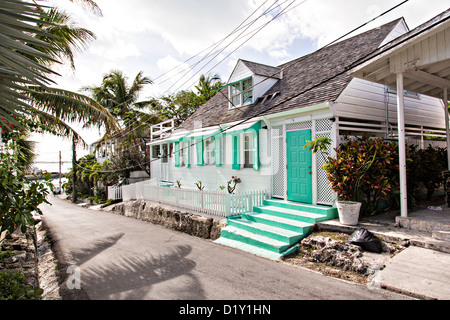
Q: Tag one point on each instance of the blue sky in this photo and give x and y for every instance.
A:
(155, 36)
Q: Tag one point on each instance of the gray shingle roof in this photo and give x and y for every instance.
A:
(263, 70)
(298, 76)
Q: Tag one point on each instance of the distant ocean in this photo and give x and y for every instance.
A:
(53, 167)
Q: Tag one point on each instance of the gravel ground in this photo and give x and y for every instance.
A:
(333, 257)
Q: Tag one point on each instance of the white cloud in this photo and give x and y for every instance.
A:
(153, 35)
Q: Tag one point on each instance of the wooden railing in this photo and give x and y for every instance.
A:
(218, 203)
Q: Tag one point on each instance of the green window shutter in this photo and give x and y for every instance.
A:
(256, 150)
(187, 145)
(199, 149)
(218, 150)
(236, 153)
(177, 154)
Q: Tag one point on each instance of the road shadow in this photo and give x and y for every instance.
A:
(125, 277)
(133, 277)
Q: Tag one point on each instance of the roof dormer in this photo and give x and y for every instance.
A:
(249, 81)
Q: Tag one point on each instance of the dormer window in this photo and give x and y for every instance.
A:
(241, 93)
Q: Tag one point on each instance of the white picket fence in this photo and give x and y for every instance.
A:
(218, 203)
(114, 192)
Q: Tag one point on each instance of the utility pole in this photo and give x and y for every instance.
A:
(74, 169)
(60, 183)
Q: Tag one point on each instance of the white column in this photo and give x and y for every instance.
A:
(444, 100)
(402, 146)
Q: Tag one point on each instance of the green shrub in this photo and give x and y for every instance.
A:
(18, 197)
(13, 286)
(425, 167)
(364, 169)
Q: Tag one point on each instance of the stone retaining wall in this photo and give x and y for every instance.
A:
(192, 224)
(33, 256)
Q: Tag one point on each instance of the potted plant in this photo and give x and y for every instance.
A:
(361, 173)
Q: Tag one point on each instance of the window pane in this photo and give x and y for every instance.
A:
(247, 84)
(236, 100)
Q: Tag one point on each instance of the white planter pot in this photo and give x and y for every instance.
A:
(348, 212)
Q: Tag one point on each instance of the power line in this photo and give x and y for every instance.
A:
(255, 31)
(354, 64)
(219, 52)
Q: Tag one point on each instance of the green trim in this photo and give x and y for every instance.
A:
(177, 154)
(187, 160)
(236, 152)
(218, 150)
(256, 150)
(255, 127)
(199, 150)
(232, 83)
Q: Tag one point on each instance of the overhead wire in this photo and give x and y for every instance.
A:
(352, 65)
(120, 134)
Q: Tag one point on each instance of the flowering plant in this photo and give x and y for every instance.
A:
(231, 184)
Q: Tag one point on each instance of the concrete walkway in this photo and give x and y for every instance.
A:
(422, 269)
(421, 272)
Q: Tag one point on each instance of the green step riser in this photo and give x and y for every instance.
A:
(278, 224)
(243, 239)
(272, 235)
(331, 213)
(296, 217)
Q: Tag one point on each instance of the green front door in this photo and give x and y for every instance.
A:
(298, 165)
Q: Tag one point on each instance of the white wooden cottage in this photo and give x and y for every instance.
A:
(255, 127)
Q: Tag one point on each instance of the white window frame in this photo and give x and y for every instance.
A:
(182, 153)
(248, 149)
(208, 151)
(238, 96)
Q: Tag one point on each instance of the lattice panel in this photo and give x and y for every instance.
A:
(278, 161)
(325, 194)
(299, 126)
(323, 125)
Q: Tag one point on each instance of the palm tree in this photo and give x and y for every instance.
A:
(121, 99)
(207, 86)
(33, 39)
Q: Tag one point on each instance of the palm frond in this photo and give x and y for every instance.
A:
(18, 25)
(57, 127)
(72, 106)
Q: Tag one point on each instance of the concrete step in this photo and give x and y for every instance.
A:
(329, 211)
(254, 239)
(279, 222)
(254, 250)
(293, 214)
(266, 230)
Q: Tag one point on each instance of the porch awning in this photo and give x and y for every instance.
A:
(241, 127)
(204, 132)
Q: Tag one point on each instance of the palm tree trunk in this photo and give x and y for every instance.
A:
(74, 169)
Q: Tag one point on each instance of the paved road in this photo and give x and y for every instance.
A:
(124, 258)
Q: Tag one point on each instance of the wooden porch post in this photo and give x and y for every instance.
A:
(402, 146)
(447, 133)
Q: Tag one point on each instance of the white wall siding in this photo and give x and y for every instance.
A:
(399, 29)
(212, 177)
(261, 86)
(367, 101)
(240, 72)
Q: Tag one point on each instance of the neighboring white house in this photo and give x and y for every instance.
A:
(255, 127)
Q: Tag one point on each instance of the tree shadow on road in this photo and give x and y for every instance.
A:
(134, 277)
(127, 277)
